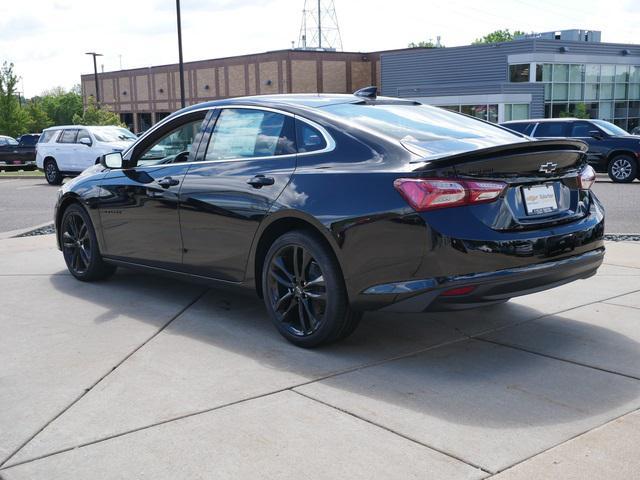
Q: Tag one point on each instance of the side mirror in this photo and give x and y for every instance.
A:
(597, 134)
(112, 160)
(85, 141)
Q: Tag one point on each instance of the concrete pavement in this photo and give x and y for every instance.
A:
(147, 377)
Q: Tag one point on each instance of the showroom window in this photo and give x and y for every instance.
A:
(516, 111)
(605, 91)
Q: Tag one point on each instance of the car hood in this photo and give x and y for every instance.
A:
(120, 146)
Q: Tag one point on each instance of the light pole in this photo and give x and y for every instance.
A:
(95, 74)
(181, 64)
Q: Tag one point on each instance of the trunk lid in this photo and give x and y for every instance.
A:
(541, 177)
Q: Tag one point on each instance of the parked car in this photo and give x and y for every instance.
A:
(330, 205)
(18, 154)
(611, 149)
(67, 150)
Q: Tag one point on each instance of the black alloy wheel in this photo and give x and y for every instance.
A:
(52, 173)
(304, 291)
(80, 247)
(297, 290)
(623, 169)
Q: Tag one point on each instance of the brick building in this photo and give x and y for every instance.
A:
(143, 96)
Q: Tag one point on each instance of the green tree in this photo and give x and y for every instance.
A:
(61, 105)
(580, 111)
(96, 115)
(498, 36)
(13, 119)
(38, 118)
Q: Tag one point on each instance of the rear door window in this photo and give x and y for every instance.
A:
(551, 129)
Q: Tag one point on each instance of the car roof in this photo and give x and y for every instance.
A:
(545, 120)
(91, 127)
(295, 100)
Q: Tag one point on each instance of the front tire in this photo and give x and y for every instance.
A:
(623, 169)
(304, 291)
(52, 173)
(80, 246)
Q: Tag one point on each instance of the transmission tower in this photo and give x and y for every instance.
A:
(319, 29)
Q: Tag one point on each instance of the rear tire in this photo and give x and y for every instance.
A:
(622, 169)
(52, 173)
(304, 291)
(80, 246)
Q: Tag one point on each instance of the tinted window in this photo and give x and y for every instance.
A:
(416, 123)
(519, 73)
(581, 129)
(3, 141)
(308, 138)
(551, 129)
(525, 128)
(29, 140)
(68, 136)
(247, 133)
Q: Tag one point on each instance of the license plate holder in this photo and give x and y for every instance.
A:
(540, 199)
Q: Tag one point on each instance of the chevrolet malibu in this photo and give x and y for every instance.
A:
(331, 205)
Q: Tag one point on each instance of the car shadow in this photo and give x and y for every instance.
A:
(421, 362)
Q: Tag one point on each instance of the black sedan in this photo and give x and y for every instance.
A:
(330, 205)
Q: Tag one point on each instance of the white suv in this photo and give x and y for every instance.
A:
(68, 150)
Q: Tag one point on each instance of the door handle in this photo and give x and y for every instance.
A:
(260, 181)
(167, 182)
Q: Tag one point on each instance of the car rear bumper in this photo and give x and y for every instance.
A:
(488, 287)
(17, 163)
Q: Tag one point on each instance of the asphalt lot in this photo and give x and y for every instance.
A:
(150, 378)
(34, 199)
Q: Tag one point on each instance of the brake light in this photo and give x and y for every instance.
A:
(454, 292)
(431, 193)
(586, 177)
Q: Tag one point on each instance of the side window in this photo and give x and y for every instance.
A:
(3, 141)
(68, 136)
(83, 134)
(519, 127)
(175, 146)
(582, 129)
(309, 139)
(551, 129)
(249, 133)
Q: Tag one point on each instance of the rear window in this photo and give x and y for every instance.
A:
(416, 123)
(551, 129)
(29, 140)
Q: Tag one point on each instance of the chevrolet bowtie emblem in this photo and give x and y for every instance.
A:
(548, 167)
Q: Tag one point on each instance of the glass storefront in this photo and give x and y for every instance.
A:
(487, 112)
(606, 91)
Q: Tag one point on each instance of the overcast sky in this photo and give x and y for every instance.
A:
(46, 39)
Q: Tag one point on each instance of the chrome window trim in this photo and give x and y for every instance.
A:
(330, 142)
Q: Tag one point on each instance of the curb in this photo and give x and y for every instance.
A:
(15, 233)
(17, 177)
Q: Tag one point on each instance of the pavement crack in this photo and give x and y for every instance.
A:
(96, 383)
(387, 429)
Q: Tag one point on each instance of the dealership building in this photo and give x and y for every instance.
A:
(541, 75)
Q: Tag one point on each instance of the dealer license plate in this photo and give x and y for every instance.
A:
(539, 199)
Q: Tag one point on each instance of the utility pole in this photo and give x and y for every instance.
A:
(181, 64)
(319, 24)
(95, 74)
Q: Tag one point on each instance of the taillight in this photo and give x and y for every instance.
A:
(431, 193)
(586, 177)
